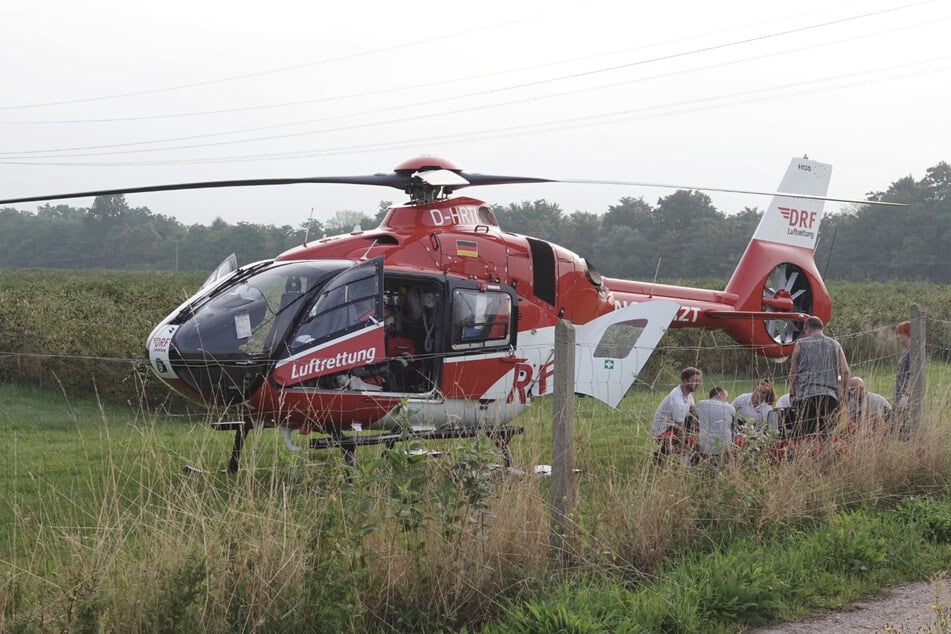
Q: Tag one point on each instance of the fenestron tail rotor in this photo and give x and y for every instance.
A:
(786, 289)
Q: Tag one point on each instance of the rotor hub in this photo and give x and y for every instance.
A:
(429, 178)
(425, 164)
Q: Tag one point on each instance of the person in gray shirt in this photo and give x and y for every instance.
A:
(716, 420)
(901, 416)
(867, 410)
(818, 376)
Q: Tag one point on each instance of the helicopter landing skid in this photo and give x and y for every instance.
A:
(189, 469)
(241, 429)
(348, 444)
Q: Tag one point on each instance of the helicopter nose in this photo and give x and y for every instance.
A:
(158, 346)
(179, 357)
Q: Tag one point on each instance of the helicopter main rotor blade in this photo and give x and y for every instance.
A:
(490, 179)
(733, 191)
(404, 180)
(398, 181)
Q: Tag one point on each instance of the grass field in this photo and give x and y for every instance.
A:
(104, 532)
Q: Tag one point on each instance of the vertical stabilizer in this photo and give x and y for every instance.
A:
(777, 272)
(791, 220)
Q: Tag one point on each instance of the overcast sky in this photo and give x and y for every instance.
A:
(113, 93)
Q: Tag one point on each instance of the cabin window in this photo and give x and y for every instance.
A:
(619, 339)
(481, 319)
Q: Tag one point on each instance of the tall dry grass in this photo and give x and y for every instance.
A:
(641, 521)
(403, 544)
(283, 550)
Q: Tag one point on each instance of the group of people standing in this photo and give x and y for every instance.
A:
(820, 384)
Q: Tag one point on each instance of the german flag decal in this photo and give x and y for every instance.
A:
(467, 248)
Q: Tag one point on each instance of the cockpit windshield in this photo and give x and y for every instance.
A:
(251, 316)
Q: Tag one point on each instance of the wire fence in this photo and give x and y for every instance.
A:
(873, 352)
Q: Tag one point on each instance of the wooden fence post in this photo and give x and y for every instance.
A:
(562, 451)
(919, 369)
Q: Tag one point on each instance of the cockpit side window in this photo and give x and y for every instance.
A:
(349, 302)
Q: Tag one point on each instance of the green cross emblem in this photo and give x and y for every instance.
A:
(609, 364)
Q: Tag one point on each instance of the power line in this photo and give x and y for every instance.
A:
(376, 93)
(587, 120)
(469, 96)
(282, 69)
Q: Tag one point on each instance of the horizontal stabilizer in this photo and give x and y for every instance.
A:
(756, 315)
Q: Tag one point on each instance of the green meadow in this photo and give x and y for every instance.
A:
(104, 531)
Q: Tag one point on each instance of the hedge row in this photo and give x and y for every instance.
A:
(85, 331)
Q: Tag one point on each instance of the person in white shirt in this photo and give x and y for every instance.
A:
(675, 419)
(755, 406)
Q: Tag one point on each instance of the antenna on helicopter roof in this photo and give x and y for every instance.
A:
(367, 252)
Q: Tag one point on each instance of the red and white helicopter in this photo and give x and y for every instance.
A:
(440, 320)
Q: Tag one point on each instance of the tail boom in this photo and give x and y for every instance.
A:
(776, 285)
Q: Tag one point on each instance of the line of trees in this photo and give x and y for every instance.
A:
(682, 236)
(112, 235)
